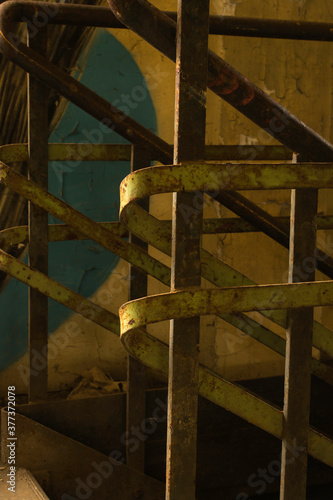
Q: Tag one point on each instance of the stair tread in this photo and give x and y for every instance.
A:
(26, 486)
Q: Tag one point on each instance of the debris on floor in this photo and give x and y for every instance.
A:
(96, 382)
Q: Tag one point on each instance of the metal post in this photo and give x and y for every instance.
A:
(191, 83)
(38, 224)
(298, 348)
(136, 371)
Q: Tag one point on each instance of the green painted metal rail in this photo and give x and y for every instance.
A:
(143, 346)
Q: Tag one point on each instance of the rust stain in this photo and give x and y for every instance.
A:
(224, 84)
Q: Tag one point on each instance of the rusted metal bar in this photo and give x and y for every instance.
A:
(157, 233)
(298, 348)
(191, 302)
(160, 31)
(273, 115)
(210, 177)
(136, 371)
(70, 152)
(122, 152)
(270, 28)
(86, 99)
(92, 152)
(244, 153)
(200, 176)
(190, 126)
(56, 232)
(238, 225)
(209, 226)
(59, 292)
(38, 219)
(97, 16)
(82, 224)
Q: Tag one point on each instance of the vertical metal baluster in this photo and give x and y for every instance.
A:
(136, 372)
(299, 347)
(38, 224)
(190, 118)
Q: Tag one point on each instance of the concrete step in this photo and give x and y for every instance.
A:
(25, 486)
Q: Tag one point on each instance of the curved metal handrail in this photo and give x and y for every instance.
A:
(194, 302)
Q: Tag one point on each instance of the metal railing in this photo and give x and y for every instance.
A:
(236, 293)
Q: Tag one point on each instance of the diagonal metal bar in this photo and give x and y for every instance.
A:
(212, 269)
(277, 118)
(56, 291)
(158, 234)
(160, 31)
(122, 152)
(97, 16)
(154, 354)
(83, 224)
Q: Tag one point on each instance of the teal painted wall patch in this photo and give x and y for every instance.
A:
(108, 68)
